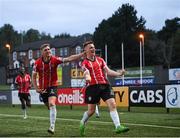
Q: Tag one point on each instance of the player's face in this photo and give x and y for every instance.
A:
(46, 52)
(22, 71)
(90, 50)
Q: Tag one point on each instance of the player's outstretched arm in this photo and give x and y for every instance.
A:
(73, 57)
(114, 73)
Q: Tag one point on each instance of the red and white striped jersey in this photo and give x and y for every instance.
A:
(47, 72)
(24, 83)
(96, 70)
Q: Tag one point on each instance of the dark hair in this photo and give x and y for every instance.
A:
(44, 45)
(87, 43)
(22, 70)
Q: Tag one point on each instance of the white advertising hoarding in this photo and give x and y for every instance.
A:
(172, 96)
(34, 97)
(77, 82)
(174, 74)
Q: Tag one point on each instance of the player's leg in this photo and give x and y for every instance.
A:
(52, 108)
(87, 114)
(113, 111)
(28, 100)
(23, 105)
(52, 113)
(97, 111)
(108, 96)
(44, 98)
(115, 116)
(91, 98)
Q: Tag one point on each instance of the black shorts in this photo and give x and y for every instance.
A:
(95, 92)
(51, 91)
(25, 96)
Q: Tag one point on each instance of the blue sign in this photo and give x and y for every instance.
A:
(135, 81)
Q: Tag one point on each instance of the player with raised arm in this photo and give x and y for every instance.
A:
(95, 70)
(46, 69)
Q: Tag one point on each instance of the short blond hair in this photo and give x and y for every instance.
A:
(44, 45)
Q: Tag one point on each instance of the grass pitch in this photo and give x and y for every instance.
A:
(143, 122)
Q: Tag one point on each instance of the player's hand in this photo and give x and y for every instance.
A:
(88, 79)
(122, 72)
(38, 90)
(41, 90)
(84, 54)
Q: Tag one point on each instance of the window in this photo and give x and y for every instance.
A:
(38, 54)
(14, 56)
(53, 51)
(30, 54)
(65, 51)
(32, 62)
(78, 49)
(22, 53)
(16, 64)
(61, 52)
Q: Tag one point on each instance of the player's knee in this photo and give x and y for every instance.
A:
(91, 111)
(51, 104)
(29, 105)
(113, 105)
(23, 106)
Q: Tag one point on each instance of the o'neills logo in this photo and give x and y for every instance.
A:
(75, 98)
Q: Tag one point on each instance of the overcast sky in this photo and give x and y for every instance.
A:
(77, 17)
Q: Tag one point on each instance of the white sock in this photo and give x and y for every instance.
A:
(115, 117)
(85, 118)
(24, 112)
(53, 116)
(97, 110)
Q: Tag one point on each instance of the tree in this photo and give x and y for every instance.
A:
(153, 49)
(168, 35)
(7, 36)
(63, 35)
(175, 62)
(45, 37)
(32, 35)
(123, 26)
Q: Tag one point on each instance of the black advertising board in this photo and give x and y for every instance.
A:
(147, 96)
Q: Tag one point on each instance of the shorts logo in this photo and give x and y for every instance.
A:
(89, 98)
(29, 98)
(112, 92)
(52, 91)
(102, 87)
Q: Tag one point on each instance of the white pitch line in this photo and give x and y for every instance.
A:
(102, 122)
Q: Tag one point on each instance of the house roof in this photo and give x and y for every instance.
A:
(55, 43)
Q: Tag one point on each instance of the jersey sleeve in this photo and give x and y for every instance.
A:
(104, 65)
(59, 60)
(83, 66)
(29, 78)
(35, 67)
(16, 80)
